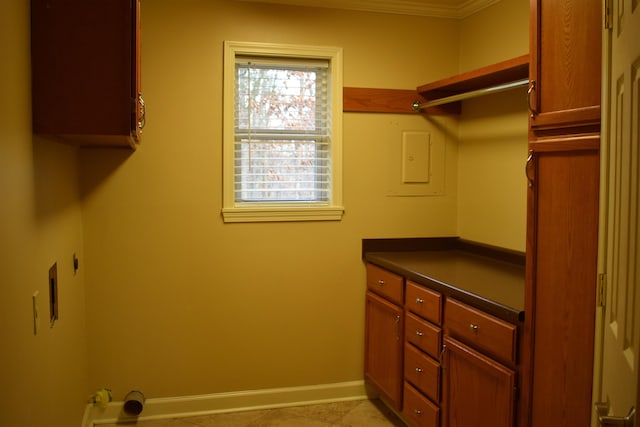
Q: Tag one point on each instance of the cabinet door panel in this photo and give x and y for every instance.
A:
(562, 280)
(86, 70)
(383, 348)
(565, 62)
(477, 391)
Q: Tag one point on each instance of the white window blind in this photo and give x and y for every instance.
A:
(282, 131)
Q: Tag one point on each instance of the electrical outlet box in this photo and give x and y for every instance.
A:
(53, 293)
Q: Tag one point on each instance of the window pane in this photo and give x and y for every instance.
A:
(281, 133)
(276, 98)
(278, 170)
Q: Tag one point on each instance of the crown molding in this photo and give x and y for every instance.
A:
(432, 8)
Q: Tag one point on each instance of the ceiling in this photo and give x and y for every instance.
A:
(457, 9)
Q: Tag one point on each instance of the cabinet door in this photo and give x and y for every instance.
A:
(561, 278)
(477, 391)
(383, 348)
(565, 62)
(86, 70)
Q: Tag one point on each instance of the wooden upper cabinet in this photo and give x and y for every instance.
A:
(565, 63)
(85, 58)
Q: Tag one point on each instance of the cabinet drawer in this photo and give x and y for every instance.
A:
(418, 409)
(424, 302)
(480, 330)
(423, 335)
(385, 283)
(422, 371)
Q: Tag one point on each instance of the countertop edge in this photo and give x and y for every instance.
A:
(376, 256)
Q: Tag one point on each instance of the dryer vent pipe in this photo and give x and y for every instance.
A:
(134, 402)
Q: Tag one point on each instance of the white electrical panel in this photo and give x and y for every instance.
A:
(416, 157)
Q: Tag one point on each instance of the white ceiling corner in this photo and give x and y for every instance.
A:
(456, 9)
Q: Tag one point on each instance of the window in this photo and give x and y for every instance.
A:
(282, 133)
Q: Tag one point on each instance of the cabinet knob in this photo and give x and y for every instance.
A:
(380, 282)
(419, 334)
(417, 411)
(473, 328)
(418, 370)
(419, 300)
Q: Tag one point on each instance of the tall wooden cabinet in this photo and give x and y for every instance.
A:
(562, 217)
(85, 59)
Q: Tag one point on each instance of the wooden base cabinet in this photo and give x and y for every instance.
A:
(383, 348)
(477, 390)
(470, 381)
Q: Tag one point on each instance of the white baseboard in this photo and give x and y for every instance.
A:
(174, 407)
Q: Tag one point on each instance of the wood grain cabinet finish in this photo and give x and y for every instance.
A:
(561, 288)
(383, 348)
(480, 330)
(470, 381)
(422, 371)
(85, 57)
(424, 302)
(423, 335)
(418, 410)
(565, 63)
(477, 390)
(385, 283)
(423, 345)
(562, 212)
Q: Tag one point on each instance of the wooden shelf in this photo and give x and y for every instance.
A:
(492, 75)
(396, 101)
(399, 101)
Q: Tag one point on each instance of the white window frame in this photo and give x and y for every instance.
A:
(332, 210)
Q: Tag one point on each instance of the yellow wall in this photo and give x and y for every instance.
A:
(44, 377)
(493, 132)
(180, 303)
(494, 34)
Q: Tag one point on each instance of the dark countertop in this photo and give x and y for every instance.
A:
(493, 285)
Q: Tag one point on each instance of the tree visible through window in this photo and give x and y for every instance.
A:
(282, 133)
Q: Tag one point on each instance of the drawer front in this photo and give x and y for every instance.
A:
(385, 283)
(422, 334)
(480, 330)
(418, 409)
(422, 372)
(424, 302)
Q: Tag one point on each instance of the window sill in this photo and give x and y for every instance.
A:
(283, 213)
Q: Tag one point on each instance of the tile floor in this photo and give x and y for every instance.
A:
(358, 413)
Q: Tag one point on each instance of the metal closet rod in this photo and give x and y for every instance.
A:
(417, 106)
